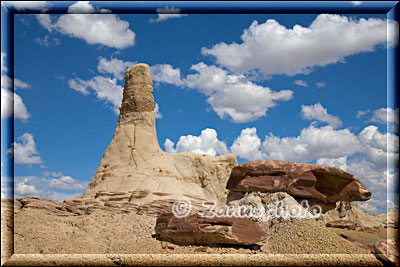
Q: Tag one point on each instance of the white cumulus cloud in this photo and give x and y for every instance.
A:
(234, 96)
(25, 152)
(166, 13)
(42, 6)
(312, 143)
(114, 66)
(271, 48)
(247, 145)
(318, 112)
(157, 112)
(7, 96)
(81, 7)
(64, 183)
(300, 83)
(105, 89)
(19, 112)
(53, 187)
(24, 189)
(386, 115)
(104, 29)
(166, 73)
(206, 143)
(379, 148)
(84, 7)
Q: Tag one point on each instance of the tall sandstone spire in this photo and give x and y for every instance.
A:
(134, 163)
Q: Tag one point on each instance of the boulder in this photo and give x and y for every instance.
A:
(388, 250)
(323, 184)
(345, 224)
(134, 160)
(195, 229)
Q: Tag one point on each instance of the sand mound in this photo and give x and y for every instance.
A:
(307, 236)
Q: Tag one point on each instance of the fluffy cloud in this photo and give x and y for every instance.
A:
(114, 66)
(320, 84)
(24, 189)
(25, 152)
(157, 112)
(81, 7)
(300, 83)
(104, 29)
(167, 13)
(8, 97)
(105, 88)
(271, 48)
(380, 149)
(48, 187)
(247, 145)
(332, 145)
(21, 84)
(334, 162)
(64, 183)
(45, 21)
(42, 6)
(318, 112)
(233, 95)
(166, 73)
(386, 115)
(312, 143)
(206, 143)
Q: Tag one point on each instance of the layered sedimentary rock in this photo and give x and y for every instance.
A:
(102, 203)
(342, 224)
(134, 163)
(321, 184)
(352, 212)
(195, 229)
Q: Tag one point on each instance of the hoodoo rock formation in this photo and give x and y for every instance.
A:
(134, 163)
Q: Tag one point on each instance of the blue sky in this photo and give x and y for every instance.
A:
(299, 87)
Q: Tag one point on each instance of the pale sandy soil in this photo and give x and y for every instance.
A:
(40, 231)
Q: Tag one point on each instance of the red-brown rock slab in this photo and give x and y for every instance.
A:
(195, 229)
(345, 224)
(309, 181)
